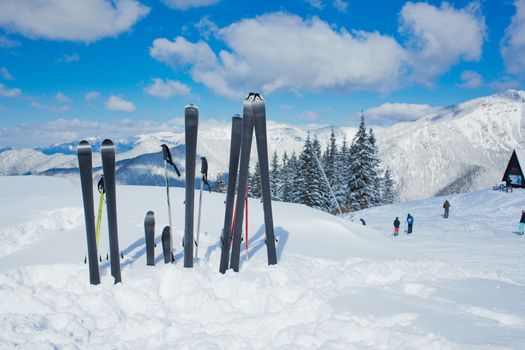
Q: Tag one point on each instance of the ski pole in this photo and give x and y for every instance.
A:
(101, 190)
(168, 160)
(204, 180)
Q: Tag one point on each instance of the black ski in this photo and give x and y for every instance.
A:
(149, 231)
(85, 166)
(235, 148)
(246, 146)
(254, 117)
(259, 119)
(191, 121)
(166, 242)
(108, 167)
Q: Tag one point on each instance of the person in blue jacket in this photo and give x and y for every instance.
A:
(410, 223)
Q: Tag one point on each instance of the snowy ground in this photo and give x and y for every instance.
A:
(455, 283)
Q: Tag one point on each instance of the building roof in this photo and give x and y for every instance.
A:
(520, 153)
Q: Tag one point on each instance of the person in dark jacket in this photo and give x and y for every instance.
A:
(522, 222)
(410, 222)
(508, 184)
(446, 205)
(363, 221)
(396, 226)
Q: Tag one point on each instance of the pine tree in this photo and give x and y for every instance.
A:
(374, 182)
(219, 185)
(389, 194)
(321, 194)
(254, 183)
(344, 193)
(307, 170)
(295, 179)
(359, 168)
(285, 180)
(274, 177)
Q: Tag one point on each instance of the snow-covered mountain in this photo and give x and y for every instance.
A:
(454, 149)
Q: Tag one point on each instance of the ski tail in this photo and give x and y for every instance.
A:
(235, 147)
(191, 126)
(85, 165)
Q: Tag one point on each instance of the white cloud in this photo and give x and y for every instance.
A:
(206, 27)
(75, 20)
(310, 116)
(471, 79)
(91, 96)
(75, 57)
(5, 92)
(282, 51)
(391, 113)
(61, 98)
(513, 43)
(50, 108)
(505, 83)
(439, 37)
(187, 4)
(340, 5)
(5, 74)
(66, 130)
(118, 104)
(8, 43)
(318, 4)
(167, 88)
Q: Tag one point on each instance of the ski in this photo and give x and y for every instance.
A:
(235, 147)
(108, 168)
(246, 146)
(85, 165)
(166, 245)
(259, 119)
(204, 181)
(191, 122)
(166, 154)
(149, 231)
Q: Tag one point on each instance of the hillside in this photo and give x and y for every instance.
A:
(337, 284)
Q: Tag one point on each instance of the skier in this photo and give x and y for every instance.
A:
(396, 226)
(363, 221)
(522, 222)
(410, 222)
(446, 205)
(508, 184)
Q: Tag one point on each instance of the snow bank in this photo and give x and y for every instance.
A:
(338, 285)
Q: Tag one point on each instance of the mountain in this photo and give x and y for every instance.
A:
(454, 149)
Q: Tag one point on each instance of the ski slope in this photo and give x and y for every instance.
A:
(453, 284)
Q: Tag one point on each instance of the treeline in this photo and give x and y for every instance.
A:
(354, 173)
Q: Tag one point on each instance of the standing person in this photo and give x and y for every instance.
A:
(410, 222)
(396, 226)
(446, 205)
(508, 184)
(522, 222)
(363, 221)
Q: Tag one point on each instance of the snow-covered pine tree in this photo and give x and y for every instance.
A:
(320, 189)
(254, 183)
(389, 194)
(374, 182)
(285, 180)
(274, 177)
(295, 179)
(307, 168)
(220, 185)
(344, 193)
(359, 168)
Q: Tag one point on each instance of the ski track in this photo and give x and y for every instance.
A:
(423, 291)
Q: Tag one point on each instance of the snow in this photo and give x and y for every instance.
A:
(453, 284)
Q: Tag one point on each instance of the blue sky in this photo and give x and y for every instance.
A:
(66, 62)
